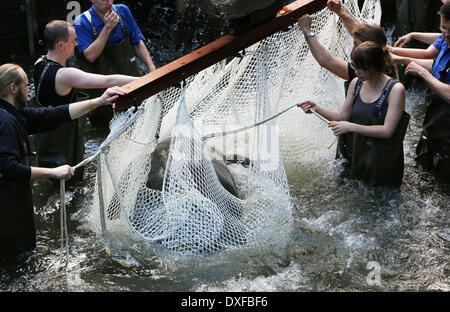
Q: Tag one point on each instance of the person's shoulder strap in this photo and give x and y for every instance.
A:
(444, 72)
(122, 24)
(358, 87)
(386, 91)
(88, 16)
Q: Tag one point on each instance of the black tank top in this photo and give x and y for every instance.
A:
(378, 108)
(44, 82)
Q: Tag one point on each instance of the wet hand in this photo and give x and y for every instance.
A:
(340, 127)
(111, 20)
(305, 23)
(306, 106)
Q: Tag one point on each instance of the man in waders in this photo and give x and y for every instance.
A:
(57, 85)
(433, 149)
(109, 42)
(17, 229)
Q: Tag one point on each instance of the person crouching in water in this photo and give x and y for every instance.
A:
(373, 114)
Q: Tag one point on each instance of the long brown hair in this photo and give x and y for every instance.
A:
(374, 33)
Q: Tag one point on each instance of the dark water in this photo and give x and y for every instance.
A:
(346, 237)
(340, 226)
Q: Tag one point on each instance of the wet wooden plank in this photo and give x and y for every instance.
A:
(229, 45)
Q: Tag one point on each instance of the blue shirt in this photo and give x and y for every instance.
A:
(85, 37)
(442, 58)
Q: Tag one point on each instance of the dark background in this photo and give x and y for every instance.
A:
(169, 33)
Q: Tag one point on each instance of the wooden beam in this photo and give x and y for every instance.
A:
(190, 64)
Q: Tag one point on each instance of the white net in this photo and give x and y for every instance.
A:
(190, 194)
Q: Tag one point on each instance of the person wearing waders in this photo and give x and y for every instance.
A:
(433, 149)
(17, 229)
(339, 67)
(109, 42)
(56, 84)
(373, 113)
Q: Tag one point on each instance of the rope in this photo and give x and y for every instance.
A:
(63, 221)
(324, 120)
(213, 135)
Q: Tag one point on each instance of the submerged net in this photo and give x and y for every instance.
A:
(191, 210)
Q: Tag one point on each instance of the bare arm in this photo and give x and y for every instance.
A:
(427, 38)
(426, 63)
(349, 22)
(441, 89)
(78, 109)
(396, 106)
(343, 113)
(429, 53)
(70, 77)
(142, 52)
(96, 48)
(321, 54)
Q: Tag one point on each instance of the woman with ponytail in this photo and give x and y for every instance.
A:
(372, 118)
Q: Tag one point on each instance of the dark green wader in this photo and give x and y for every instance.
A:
(119, 58)
(65, 145)
(17, 231)
(376, 162)
(433, 149)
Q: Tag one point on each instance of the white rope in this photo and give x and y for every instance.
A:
(63, 220)
(213, 135)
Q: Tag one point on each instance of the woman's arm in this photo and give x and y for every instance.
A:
(343, 114)
(321, 54)
(396, 106)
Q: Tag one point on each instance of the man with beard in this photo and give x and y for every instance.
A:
(17, 230)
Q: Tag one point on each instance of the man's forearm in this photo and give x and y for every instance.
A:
(142, 52)
(441, 89)
(96, 48)
(427, 38)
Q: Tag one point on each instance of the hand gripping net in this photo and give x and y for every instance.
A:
(193, 213)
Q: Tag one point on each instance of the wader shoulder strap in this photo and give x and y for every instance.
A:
(89, 18)
(387, 89)
(443, 73)
(44, 71)
(122, 25)
(358, 87)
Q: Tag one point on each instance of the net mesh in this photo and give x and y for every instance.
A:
(192, 211)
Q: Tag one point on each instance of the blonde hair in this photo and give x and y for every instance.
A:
(9, 73)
